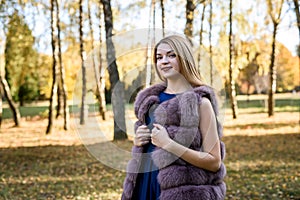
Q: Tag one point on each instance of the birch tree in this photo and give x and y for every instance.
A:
(274, 11)
(96, 71)
(11, 103)
(189, 14)
(201, 33)
(232, 93)
(62, 84)
(54, 67)
(162, 6)
(102, 102)
(117, 90)
(83, 109)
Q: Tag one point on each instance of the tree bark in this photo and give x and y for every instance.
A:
(189, 14)
(83, 109)
(210, 43)
(162, 6)
(201, 27)
(12, 105)
(54, 63)
(201, 35)
(232, 93)
(117, 87)
(272, 67)
(102, 102)
(96, 72)
(272, 75)
(148, 61)
(59, 95)
(1, 106)
(62, 74)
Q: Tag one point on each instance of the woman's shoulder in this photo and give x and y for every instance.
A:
(207, 96)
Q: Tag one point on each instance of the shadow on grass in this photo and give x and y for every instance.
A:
(57, 172)
(265, 126)
(263, 167)
(259, 167)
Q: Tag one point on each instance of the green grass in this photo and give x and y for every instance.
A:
(56, 172)
(265, 165)
(26, 111)
(258, 167)
(30, 111)
(281, 105)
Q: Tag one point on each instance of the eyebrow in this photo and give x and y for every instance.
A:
(167, 52)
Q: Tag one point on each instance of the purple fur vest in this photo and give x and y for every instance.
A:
(178, 179)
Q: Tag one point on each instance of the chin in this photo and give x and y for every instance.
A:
(170, 75)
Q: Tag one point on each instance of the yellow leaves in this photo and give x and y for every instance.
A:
(263, 166)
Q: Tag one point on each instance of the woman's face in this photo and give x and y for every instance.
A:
(167, 61)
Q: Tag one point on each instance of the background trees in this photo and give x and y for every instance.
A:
(26, 46)
(21, 60)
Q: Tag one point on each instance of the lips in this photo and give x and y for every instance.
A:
(166, 68)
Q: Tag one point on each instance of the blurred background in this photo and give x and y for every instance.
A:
(70, 70)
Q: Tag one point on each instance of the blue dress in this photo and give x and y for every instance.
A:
(147, 186)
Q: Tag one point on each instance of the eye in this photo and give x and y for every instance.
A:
(173, 55)
(158, 57)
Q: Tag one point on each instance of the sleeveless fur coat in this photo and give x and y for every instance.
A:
(178, 179)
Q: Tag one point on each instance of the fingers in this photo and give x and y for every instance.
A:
(142, 129)
(158, 126)
(142, 136)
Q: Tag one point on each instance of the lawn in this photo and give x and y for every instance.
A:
(262, 160)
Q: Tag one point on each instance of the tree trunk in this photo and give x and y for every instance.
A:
(272, 75)
(210, 44)
(13, 107)
(51, 105)
(1, 106)
(83, 109)
(102, 102)
(148, 61)
(189, 14)
(162, 16)
(96, 72)
(102, 105)
(59, 95)
(63, 88)
(201, 34)
(54, 61)
(117, 88)
(232, 93)
(272, 68)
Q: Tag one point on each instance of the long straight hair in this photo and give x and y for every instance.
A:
(183, 50)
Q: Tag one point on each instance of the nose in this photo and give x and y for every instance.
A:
(165, 59)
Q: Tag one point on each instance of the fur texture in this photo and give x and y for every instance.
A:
(177, 178)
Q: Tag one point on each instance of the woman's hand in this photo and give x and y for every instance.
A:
(160, 136)
(142, 136)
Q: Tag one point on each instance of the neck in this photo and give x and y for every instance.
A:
(175, 86)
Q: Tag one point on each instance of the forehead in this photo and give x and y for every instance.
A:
(163, 48)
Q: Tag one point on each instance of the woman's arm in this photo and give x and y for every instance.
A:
(210, 156)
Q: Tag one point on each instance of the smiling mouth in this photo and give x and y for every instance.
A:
(166, 68)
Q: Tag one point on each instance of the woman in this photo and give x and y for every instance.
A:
(177, 153)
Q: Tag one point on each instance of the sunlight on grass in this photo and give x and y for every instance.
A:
(262, 158)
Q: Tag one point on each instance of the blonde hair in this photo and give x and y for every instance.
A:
(183, 50)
